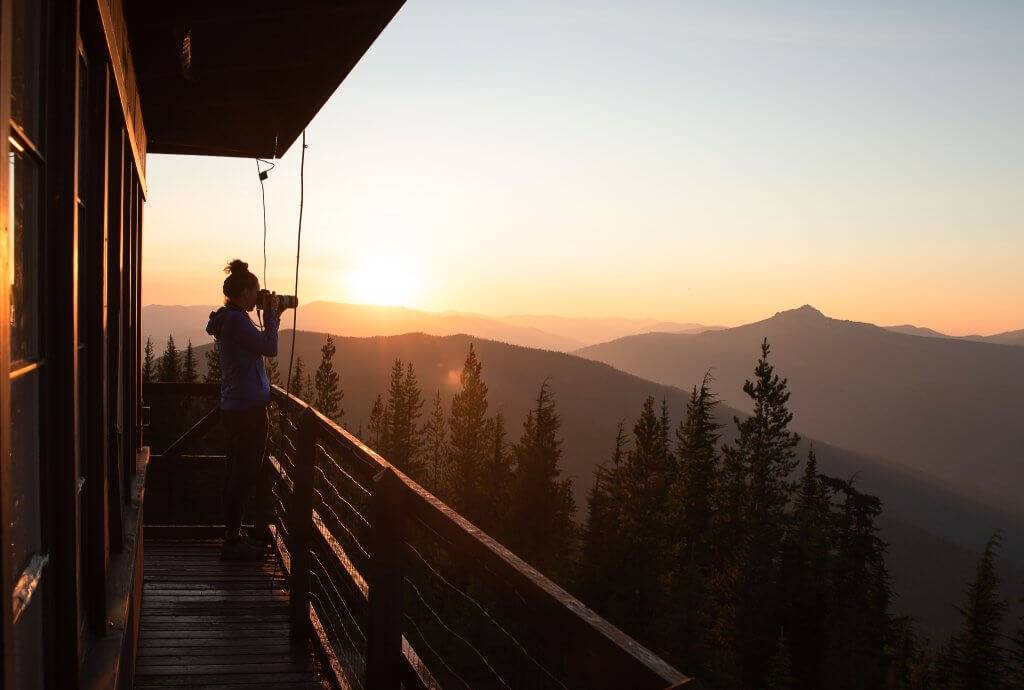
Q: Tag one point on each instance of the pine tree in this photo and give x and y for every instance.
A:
(273, 371)
(188, 369)
(212, 364)
(692, 498)
(435, 448)
(326, 387)
(637, 599)
(601, 543)
(805, 573)
(308, 388)
(542, 506)
(858, 623)
(412, 443)
(695, 487)
(401, 441)
(758, 489)
(148, 364)
(468, 446)
(496, 482)
(169, 370)
(298, 382)
(978, 659)
(377, 427)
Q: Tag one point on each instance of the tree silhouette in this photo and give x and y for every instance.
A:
(435, 448)
(273, 371)
(468, 445)
(978, 659)
(299, 378)
(401, 442)
(542, 506)
(496, 482)
(169, 369)
(326, 387)
(148, 364)
(757, 469)
(189, 374)
(377, 427)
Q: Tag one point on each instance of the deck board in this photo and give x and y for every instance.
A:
(208, 623)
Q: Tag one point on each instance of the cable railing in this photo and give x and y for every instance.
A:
(401, 591)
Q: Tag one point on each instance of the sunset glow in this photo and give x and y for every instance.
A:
(383, 278)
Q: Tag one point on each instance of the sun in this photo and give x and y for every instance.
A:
(384, 278)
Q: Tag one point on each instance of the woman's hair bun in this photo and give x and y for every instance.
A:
(237, 266)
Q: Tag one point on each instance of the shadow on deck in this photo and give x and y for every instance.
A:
(219, 624)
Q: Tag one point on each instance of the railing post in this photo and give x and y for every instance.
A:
(300, 524)
(384, 639)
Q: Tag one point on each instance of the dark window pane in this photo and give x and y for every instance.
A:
(24, 479)
(24, 252)
(25, 66)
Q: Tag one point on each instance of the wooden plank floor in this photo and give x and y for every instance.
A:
(208, 623)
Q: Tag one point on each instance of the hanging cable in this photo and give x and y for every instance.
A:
(262, 175)
(298, 250)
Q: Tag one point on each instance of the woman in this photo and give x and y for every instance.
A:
(244, 394)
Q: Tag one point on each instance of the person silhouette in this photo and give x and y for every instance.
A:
(244, 395)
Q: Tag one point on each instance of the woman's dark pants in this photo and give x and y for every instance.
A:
(245, 479)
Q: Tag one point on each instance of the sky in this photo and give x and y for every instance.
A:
(710, 162)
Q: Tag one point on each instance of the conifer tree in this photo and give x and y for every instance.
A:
(601, 543)
(169, 370)
(692, 497)
(858, 623)
(212, 365)
(805, 577)
(757, 469)
(978, 659)
(273, 371)
(148, 363)
(468, 446)
(377, 427)
(638, 597)
(327, 393)
(435, 448)
(308, 388)
(496, 482)
(188, 368)
(298, 382)
(694, 490)
(401, 442)
(542, 506)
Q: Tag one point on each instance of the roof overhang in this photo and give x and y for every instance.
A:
(244, 77)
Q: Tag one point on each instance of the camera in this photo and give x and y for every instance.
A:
(264, 298)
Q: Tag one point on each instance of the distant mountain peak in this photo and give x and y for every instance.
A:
(804, 312)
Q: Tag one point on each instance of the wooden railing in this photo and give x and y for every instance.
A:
(400, 590)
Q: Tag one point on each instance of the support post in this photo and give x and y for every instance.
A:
(300, 524)
(384, 638)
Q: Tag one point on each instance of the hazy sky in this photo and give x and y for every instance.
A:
(696, 161)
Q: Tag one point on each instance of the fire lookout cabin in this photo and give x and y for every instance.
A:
(110, 579)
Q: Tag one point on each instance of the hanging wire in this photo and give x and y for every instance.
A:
(262, 175)
(298, 249)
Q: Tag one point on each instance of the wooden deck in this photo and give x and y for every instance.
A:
(208, 623)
